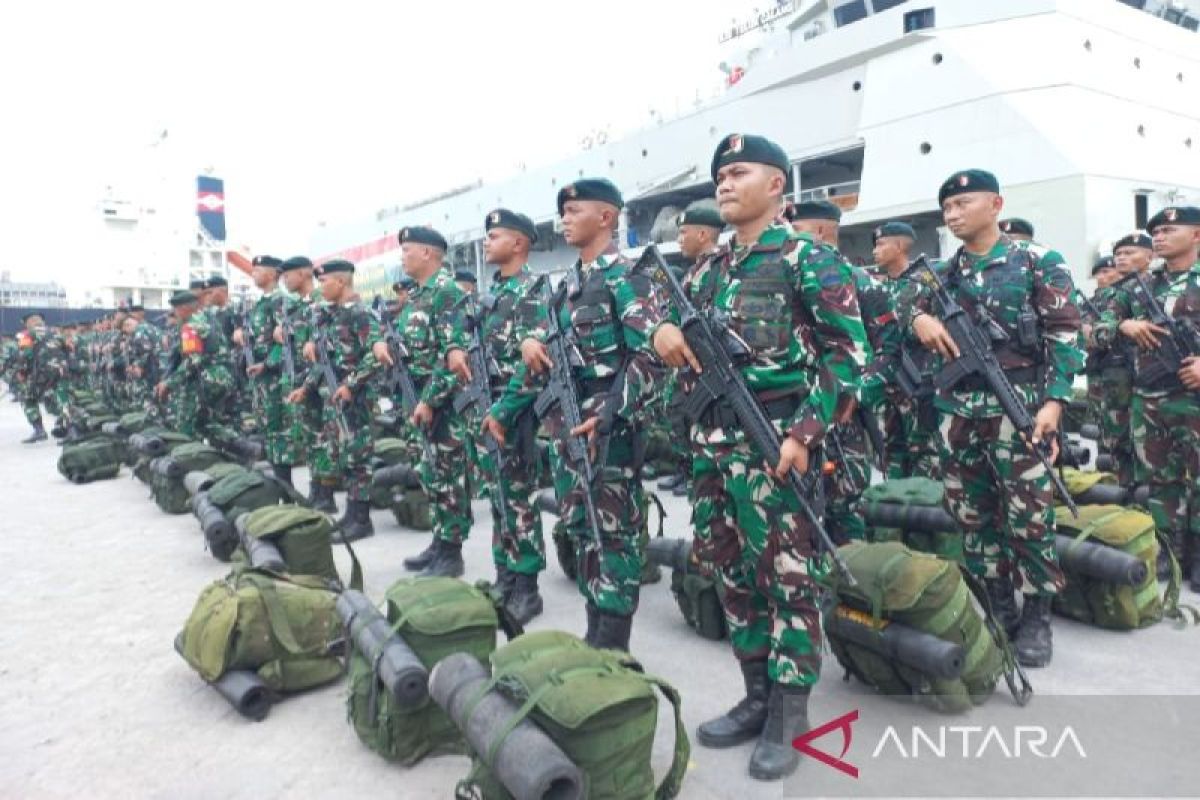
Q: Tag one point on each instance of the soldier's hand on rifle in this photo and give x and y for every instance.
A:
(422, 415)
(1045, 426)
(673, 349)
(341, 396)
(492, 427)
(1190, 373)
(277, 334)
(160, 390)
(297, 395)
(1145, 334)
(792, 454)
(382, 354)
(456, 362)
(239, 337)
(588, 428)
(934, 336)
(310, 352)
(255, 370)
(534, 354)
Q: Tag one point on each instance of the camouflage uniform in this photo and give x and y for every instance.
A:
(200, 383)
(999, 493)
(1110, 387)
(141, 351)
(349, 333)
(1165, 414)
(428, 327)
(612, 312)
(41, 373)
(305, 418)
(267, 389)
(793, 301)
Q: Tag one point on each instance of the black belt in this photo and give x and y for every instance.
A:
(1019, 375)
(720, 415)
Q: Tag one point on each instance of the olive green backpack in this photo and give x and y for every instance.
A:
(95, 457)
(932, 595)
(284, 628)
(922, 492)
(242, 490)
(699, 601)
(598, 706)
(435, 617)
(169, 493)
(172, 440)
(1109, 605)
(389, 451)
(304, 540)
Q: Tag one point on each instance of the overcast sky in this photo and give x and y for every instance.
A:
(315, 111)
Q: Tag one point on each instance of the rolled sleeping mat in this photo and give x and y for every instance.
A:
(219, 533)
(1107, 494)
(197, 481)
(923, 519)
(167, 468)
(148, 444)
(399, 669)
(249, 450)
(1105, 463)
(527, 762)
(1100, 562)
(922, 651)
(671, 553)
(1077, 455)
(547, 501)
(242, 689)
(261, 553)
(401, 475)
(1090, 430)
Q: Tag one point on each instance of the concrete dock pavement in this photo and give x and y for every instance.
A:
(94, 701)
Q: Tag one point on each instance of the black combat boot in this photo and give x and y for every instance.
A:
(38, 435)
(505, 578)
(671, 481)
(283, 473)
(59, 430)
(612, 631)
(448, 562)
(787, 717)
(356, 524)
(423, 559)
(745, 720)
(524, 603)
(320, 498)
(592, 616)
(1003, 598)
(1192, 549)
(1033, 643)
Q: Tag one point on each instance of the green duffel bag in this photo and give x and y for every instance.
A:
(283, 628)
(166, 474)
(134, 422)
(302, 536)
(932, 596)
(411, 509)
(96, 457)
(1112, 605)
(172, 440)
(435, 617)
(699, 602)
(921, 492)
(243, 490)
(389, 451)
(598, 706)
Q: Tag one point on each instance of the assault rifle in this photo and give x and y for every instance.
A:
(1181, 341)
(560, 392)
(976, 357)
(720, 353)
(399, 378)
(289, 359)
(477, 394)
(328, 375)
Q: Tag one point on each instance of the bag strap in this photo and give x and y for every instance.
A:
(356, 570)
(289, 491)
(508, 623)
(673, 780)
(1018, 682)
(281, 627)
(662, 512)
(1172, 608)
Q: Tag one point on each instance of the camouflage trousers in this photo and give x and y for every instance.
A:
(197, 407)
(1001, 496)
(304, 420)
(1166, 431)
(608, 571)
(1116, 426)
(348, 451)
(852, 474)
(750, 532)
(54, 396)
(914, 441)
(445, 479)
(518, 543)
(267, 392)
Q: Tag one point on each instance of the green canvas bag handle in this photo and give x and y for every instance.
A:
(1018, 682)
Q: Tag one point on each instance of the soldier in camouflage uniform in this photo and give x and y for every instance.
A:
(910, 425)
(792, 301)
(1105, 366)
(41, 373)
(476, 486)
(1166, 405)
(348, 333)
(141, 358)
(518, 546)
(1000, 493)
(265, 377)
(199, 382)
(611, 311)
(428, 330)
(848, 443)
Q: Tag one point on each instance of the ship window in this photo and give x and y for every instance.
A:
(937, 58)
(926, 148)
(850, 12)
(1187, 142)
(1141, 130)
(1137, 63)
(1141, 210)
(857, 85)
(884, 5)
(918, 20)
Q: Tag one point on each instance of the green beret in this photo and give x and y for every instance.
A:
(968, 180)
(465, 275)
(419, 234)
(1135, 239)
(28, 314)
(216, 280)
(1104, 262)
(295, 262)
(600, 189)
(1175, 215)
(702, 215)
(893, 229)
(337, 265)
(755, 149)
(813, 209)
(197, 283)
(503, 218)
(182, 298)
(267, 261)
(1017, 225)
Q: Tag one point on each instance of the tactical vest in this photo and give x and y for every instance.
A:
(597, 325)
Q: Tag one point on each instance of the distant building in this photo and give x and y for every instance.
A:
(23, 293)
